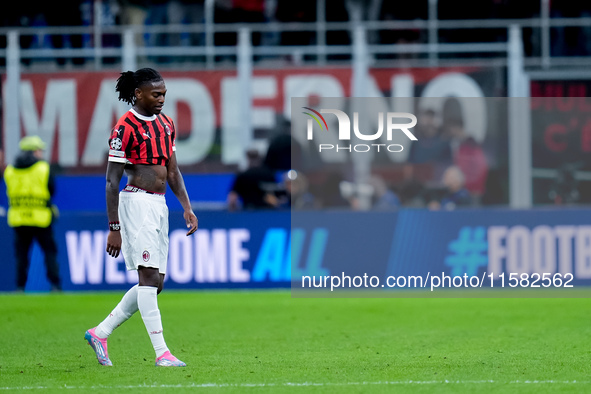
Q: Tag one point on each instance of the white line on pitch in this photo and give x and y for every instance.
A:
(302, 384)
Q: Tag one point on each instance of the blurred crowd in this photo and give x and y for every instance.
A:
(566, 41)
(446, 168)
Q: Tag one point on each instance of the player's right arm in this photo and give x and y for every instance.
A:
(114, 175)
(120, 144)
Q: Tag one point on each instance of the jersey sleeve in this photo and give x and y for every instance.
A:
(119, 143)
(173, 136)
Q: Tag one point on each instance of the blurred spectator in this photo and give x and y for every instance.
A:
(330, 196)
(565, 188)
(570, 41)
(497, 188)
(40, 40)
(175, 12)
(455, 194)
(157, 15)
(515, 9)
(297, 195)
(468, 156)
(296, 11)
(110, 16)
(384, 199)
(37, 41)
(250, 11)
(430, 147)
(284, 153)
(186, 12)
(336, 11)
(223, 14)
(585, 34)
(134, 13)
(44, 14)
(460, 9)
(411, 193)
(87, 16)
(77, 13)
(521, 9)
(488, 9)
(253, 188)
(392, 11)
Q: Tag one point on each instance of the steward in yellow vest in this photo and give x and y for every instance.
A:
(29, 187)
(28, 194)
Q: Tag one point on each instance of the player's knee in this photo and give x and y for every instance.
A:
(149, 277)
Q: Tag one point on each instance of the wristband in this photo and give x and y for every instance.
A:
(114, 226)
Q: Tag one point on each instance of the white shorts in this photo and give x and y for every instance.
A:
(144, 230)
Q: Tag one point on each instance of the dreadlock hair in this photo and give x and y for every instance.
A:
(129, 81)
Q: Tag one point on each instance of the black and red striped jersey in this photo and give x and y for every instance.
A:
(138, 139)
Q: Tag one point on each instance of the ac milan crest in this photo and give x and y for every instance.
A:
(167, 129)
(146, 255)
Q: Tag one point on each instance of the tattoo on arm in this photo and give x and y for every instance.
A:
(114, 174)
(177, 184)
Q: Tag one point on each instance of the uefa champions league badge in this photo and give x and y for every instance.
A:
(116, 143)
(146, 255)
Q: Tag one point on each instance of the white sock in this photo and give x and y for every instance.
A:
(123, 311)
(147, 302)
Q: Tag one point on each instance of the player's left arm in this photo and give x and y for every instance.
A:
(177, 185)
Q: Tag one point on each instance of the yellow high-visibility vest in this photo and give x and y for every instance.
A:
(28, 195)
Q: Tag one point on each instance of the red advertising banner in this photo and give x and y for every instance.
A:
(74, 112)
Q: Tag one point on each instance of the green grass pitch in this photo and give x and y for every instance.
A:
(268, 342)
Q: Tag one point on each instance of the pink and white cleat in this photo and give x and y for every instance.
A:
(99, 346)
(168, 360)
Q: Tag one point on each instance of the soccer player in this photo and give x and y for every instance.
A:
(142, 144)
